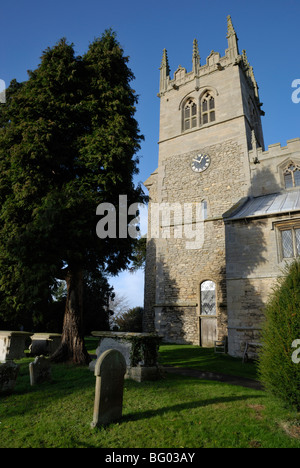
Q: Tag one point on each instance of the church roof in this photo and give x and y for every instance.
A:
(266, 205)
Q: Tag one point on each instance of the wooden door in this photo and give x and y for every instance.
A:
(208, 331)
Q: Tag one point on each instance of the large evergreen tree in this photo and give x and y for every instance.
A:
(68, 141)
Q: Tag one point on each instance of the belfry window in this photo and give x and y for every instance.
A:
(190, 115)
(292, 176)
(208, 112)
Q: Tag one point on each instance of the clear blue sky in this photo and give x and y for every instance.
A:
(268, 30)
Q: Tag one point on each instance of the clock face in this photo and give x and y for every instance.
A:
(200, 162)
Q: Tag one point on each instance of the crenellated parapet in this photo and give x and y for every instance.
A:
(214, 64)
(276, 150)
(268, 168)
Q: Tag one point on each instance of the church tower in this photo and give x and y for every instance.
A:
(210, 118)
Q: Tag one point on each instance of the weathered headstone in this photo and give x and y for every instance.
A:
(8, 376)
(12, 344)
(140, 351)
(39, 370)
(44, 343)
(110, 369)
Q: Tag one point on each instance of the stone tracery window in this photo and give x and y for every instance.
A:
(208, 298)
(290, 243)
(288, 239)
(200, 113)
(292, 175)
(190, 115)
(208, 112)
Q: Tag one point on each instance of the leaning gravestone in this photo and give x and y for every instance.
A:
(110, 369)
(39, 370)
(8, 376)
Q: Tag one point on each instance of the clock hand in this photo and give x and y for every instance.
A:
(197, 160)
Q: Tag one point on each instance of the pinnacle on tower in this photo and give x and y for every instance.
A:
(232, 39)
(245, 60)
(230, 28)
(250, 73)
(164, 72)
(165, 64)
(196, 57)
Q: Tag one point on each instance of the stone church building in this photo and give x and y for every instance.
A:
(212, 159)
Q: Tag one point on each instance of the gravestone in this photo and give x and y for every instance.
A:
(12, 344)
(44, 343)
(110, 369)
(140, 351)
(8, 376)
(39, 370)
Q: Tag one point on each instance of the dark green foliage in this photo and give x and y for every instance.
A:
(130, 321)
(278, 372)
(50, 319)
(139, 254)
(96, 294)
(68, 140)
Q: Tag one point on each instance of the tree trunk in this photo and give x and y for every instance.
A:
(72, 346)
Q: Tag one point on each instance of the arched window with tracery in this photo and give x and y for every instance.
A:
(292, 175)
(208, 303)
(208, 108)
(190, 115)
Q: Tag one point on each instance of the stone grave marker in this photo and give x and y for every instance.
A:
(12, 344)
(44, 343)
(140, 351)
(110, 369)
(8, 376)
(39, 370)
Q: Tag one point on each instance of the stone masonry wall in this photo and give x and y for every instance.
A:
(179, 271)
(253, 266)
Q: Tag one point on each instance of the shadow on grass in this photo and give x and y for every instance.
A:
(184, 406)
(205, 359)
(72, 385)
(66, 379)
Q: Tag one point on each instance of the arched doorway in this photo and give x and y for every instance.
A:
(208, 314)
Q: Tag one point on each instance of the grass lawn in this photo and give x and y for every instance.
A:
(205, 359)
(175, 412)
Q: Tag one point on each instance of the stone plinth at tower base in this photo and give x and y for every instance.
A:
(140, 351)
(110, 369)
